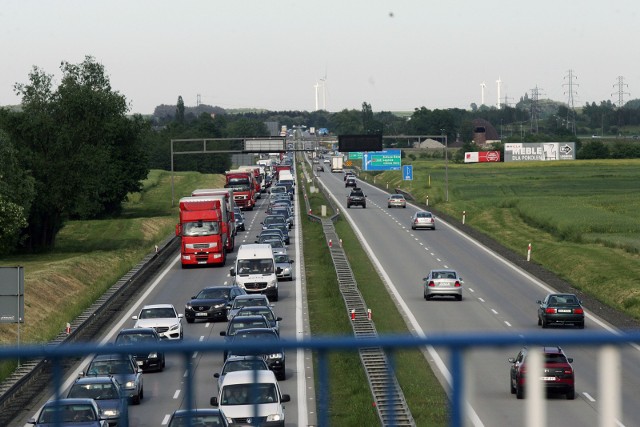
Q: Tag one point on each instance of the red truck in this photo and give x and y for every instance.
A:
(244, 188)
(280, 168)
(225, 196)
(257, 176)
(200, 228)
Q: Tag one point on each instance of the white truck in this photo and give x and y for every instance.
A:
(336, 163)
(255, 270)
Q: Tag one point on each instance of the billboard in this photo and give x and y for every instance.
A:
(264, 145)
(385, 160)
(481, 156)
(348, 143)
(539, 151)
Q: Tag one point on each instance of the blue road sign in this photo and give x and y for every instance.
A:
(407, 173)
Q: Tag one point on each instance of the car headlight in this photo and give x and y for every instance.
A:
(153, 355)
(130, 384)
(274, 417)
(188, 307)
(175, 327)
(110, 413)
(219, 305)
(275, 356)
(272, 283)
(287, 271)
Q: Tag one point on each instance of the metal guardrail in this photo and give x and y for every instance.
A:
(457, 344)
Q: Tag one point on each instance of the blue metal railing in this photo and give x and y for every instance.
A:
(455, 343)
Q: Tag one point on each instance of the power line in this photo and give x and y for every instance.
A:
(621, 93)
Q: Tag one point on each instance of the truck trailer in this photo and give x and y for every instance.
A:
(200, 229)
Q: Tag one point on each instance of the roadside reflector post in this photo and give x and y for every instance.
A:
(353, 314)
(464, 215)
(529, 252)
(387, 185)
(427, 200)
(340, 242)
(330, 243)
(369, 313)
(156, 248)
(309, 210)
(68, 328)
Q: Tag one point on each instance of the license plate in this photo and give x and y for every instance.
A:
(202, 262)
(564, 310)
(548, 378)
(139, 363)
(201, 314)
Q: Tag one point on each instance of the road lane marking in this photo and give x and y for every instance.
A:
(507, 323)
(588, 396)
(494, 312)
(176, 394)
(165, 420)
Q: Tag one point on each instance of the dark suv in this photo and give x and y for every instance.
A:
(356, 198)
(350, 182)
(558, 375)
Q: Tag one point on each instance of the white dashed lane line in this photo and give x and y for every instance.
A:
(176, 394)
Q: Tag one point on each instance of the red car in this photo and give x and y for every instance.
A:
(558, 375)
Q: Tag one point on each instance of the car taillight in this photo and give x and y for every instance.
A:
(457, 285)
(578, 311)
(415, 221)
(568, 371)
(431, 284)
(550, 311)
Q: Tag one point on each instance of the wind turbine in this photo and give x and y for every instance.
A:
(499, 83)
(482, 87)
(316, 86)
(323, 81)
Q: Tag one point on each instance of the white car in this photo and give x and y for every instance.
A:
(163, 318)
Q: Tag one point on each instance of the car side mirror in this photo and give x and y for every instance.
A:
(291, 261)
(216, 375)
(213, 401)
(180, 315)
(278, 319)
(285, 398)
(134, 317)
(539, 302)
(193, 297)
(512, 360)
(425, 279)
(223, 334)
(570, 359)
(232, 271)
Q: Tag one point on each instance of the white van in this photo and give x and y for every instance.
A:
(255, 270)
(246, 395)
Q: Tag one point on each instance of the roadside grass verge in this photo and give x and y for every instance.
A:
(90, 256)
(581, 217)
(350, 396)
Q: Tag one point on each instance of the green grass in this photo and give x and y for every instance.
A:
(351, 400)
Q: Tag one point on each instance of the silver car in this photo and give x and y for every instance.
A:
(283, 262)
(423, 219)
(443, 283)
(397, 201)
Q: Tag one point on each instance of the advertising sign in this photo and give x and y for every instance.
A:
(481, 156)
(540, 151)
(385, 160)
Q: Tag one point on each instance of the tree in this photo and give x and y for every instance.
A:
(84, 153)
(180, 111)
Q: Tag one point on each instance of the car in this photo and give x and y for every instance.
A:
(107, 394)
(239, 322)
(315, 161)
(267, 312)
(124, 369)
(146, 360)
(283, 202)
(284, 263)
(327, 160)
(270, 220)
(278, 247)
(283, 210)
(560, 309)
(396, 200)
(211, 303)
(284, 228)
(558, 375)
(350, 182)
(423, 219)
(273, 232)
(249, 300)
(266, 239)
(239, 218)
(70, 412)
(270, 349)
(442, 283)
(163, 318)
(320, 168)
(348, 175)
(196, 417)
(356, 198)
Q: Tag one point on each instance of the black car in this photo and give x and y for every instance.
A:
(267, 312)
(356, 198)
(124, 369)
(211, 303)
(270, 348)
(282, 235)
(239, 218)
(350, 182)
(240, 322)
(560, 309)
(107, 394)
(134, 337)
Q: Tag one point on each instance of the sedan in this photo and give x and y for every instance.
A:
(396, 201)
(277, 246)
(134, 337)
(443, 283)
(70, 412)
(283, 263)
(163, 318)
(240, 322)
(198, 417)
(270, 348)
(125, 371)
(560, 309)
(211, 303)
(106, 392)
(250, 300)
(423, 219)
(267, 312)
(239, 218)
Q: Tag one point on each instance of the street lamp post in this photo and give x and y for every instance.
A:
(446, 166)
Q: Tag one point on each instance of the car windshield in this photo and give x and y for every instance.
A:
(249, 302)
(423, 215)
(281, 258)
(213, 294)
(237, 325)
(200, 228)
(110, 367)
(248, 394)
(255, 266)
(397, 196)
(274, 219)
(157, 313)
(275, 243)
(97, 391)
(443, 275)
(266, 313)
(256, 336)
(357, 194)
(197, 420)
(74, 414)
(132, 339)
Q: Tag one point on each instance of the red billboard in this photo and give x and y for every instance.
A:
(481, 156)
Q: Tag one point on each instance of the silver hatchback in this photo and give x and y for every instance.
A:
(423, 219)
(396, 200)
(443, 283)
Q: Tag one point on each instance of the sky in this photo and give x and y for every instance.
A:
(396, 55)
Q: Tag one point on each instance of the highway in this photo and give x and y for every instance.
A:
(164, 391)
(498, 297)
